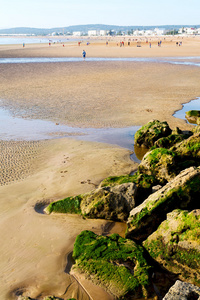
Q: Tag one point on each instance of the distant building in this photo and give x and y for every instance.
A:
(93, 32)
(159, 31)
(190, 30)
(76, 33)
(139, 32)
(149, 32)
(103, 32)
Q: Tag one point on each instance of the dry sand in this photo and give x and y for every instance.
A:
(91, 94)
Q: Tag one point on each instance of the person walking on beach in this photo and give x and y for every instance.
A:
(84, 54)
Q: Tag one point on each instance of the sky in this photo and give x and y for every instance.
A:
(63, 13)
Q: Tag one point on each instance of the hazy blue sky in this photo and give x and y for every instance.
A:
(55, 13)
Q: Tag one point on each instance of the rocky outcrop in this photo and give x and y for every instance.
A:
(116, 264)
(192, 116)
(189, 148)
(176, 244)
(183, 291)
(182, 192)
(159, 163)
(148, 134)
(170, 140)
(110, 203)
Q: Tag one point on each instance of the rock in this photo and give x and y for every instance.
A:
(176, 244)
(189, 148)
(156, 188)
(182, 192)
(148, 134)
(110, 203)
(183, 291)
(196, 129)
(192, 116)
(116, 264)
(143, 183)
(24, 298)
(159, 163)
(170, 140)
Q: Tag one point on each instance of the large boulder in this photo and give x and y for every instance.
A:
(148, 134)
(192, 116)
(182, 192)
(170, 140)
(159, 163)
(116, 264)
(176, 244)
(110, 203)
(189, 148)
(183, 291)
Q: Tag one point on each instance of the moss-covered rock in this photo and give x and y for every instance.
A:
(189, 148)
(159, 163)
(110, 203)
(176, 244)
(116, 264)
(182, 192)
(196, 129)
(148, 134)
(143, 182)
(170, 140)
(69, 205)
(192, 116)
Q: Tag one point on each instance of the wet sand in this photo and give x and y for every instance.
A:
(35, 246)
(99, 94)
(89, 94)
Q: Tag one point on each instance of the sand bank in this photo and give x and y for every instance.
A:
(99, 94)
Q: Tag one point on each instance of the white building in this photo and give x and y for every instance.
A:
(76, 33)
(159, 31)
(149, 32)
(93, 32)
(103, 32)
(190, 30)
(139, 32)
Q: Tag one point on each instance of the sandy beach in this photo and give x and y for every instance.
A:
(35, 248)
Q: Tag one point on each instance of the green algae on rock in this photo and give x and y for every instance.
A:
(116, 264)
(148, 134)
(159, 163)
(182, 192)
(189, 147)
(170, 140)
(69, 205)
(176, 244)
(110, 203)
(143, 182)
(192, 116)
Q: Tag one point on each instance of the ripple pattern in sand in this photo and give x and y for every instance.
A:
(17, 159)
